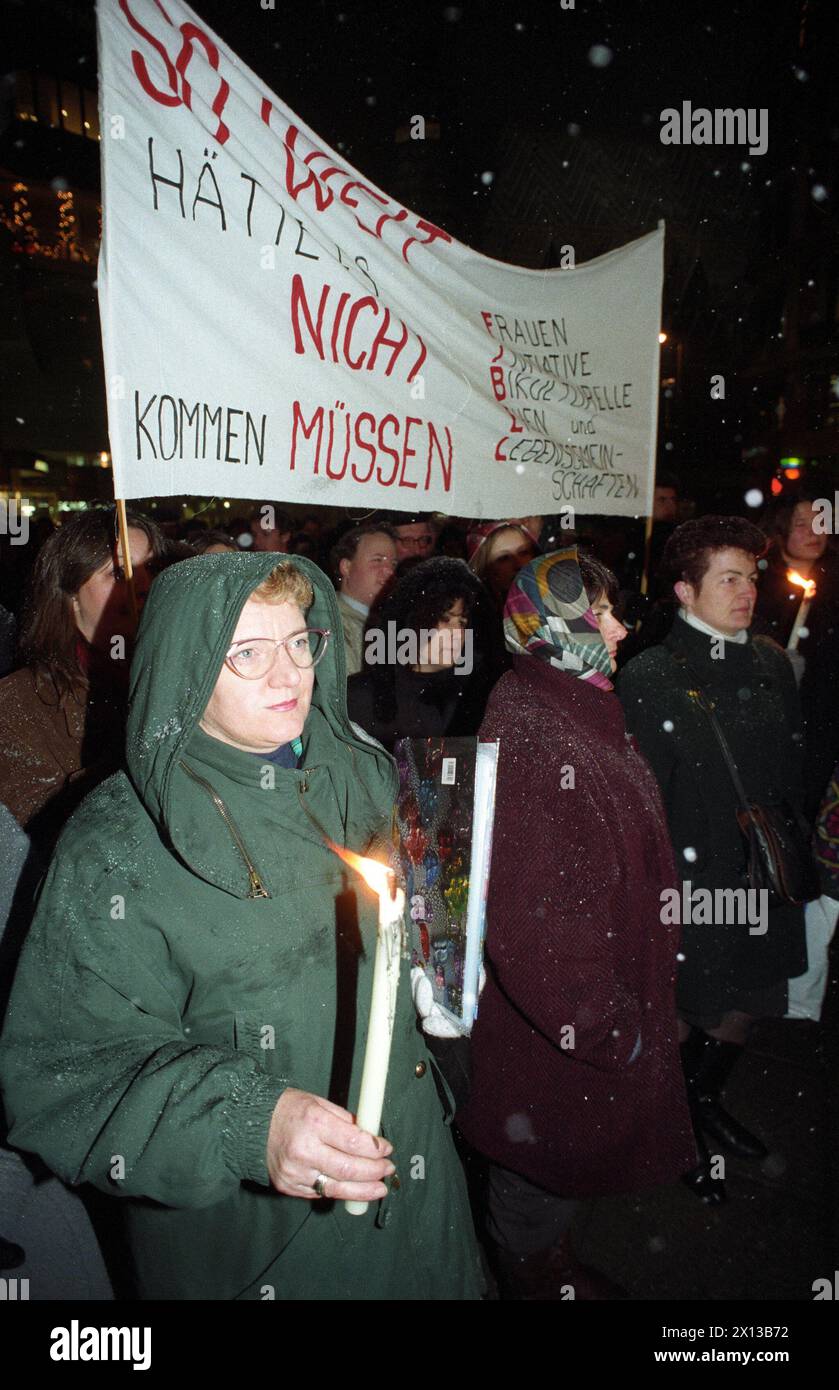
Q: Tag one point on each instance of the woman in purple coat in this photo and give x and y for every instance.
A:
(577, 1089)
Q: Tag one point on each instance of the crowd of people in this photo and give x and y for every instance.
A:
(182, 951)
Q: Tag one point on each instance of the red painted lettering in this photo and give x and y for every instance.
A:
(316, 422)
(367, 302)
(298, 302)
(445, 464)
(367, 447)
(382, 340)
(406, 451)
(323, 194)
(353, 202)
(383, 448)
(436, 234)
(496, 376)
(337, 324)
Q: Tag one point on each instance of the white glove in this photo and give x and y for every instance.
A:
(434, 1021)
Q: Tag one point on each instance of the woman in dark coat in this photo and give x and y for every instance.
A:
(62, 715)
(732, 971)
(426, 692)
(576, 1084)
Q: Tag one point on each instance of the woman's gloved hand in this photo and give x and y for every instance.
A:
(434, 1020)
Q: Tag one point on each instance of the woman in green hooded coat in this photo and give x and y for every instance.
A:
(188, 1020)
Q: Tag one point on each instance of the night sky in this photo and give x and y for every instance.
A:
(355, 71)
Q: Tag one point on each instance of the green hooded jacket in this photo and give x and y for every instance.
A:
(196, 949)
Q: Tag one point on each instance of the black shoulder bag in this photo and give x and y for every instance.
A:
(778, 857)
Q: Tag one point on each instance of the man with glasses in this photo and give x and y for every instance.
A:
(365, 561)
(416, 538)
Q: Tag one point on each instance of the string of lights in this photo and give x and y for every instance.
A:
(29, 240)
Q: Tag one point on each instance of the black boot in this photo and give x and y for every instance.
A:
(715, 1065)
(700, 1180)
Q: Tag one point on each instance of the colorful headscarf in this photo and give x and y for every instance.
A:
(478, 535)
(548, 614)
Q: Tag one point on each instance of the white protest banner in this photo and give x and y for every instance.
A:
(276, 326)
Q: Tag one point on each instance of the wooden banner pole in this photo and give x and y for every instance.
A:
(126, 558)
(648, 536)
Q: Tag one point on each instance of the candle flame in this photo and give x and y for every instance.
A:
(808, 585)
(376, 875)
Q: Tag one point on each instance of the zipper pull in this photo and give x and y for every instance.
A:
(257, 889)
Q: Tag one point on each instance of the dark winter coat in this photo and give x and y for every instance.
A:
(55, 748)
(401, 703)
(37, 1211)
(8, 641)
(579, 964)
(192, 942)
(777, 605)
(753, 689)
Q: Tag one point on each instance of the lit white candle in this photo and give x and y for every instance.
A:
(383, 1002)
(809, 593)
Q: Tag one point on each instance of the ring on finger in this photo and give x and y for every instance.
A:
(319, 1184)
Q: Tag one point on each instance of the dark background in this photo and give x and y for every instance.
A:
(573, 150)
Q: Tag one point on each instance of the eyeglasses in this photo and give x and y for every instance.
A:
(255, 657)
(416, 542)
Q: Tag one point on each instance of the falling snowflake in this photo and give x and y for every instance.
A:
(487, 177)
(690, 854)
(600, 55)
(520, 1130)
(818, 192)
(754, 497)
(667, 726)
